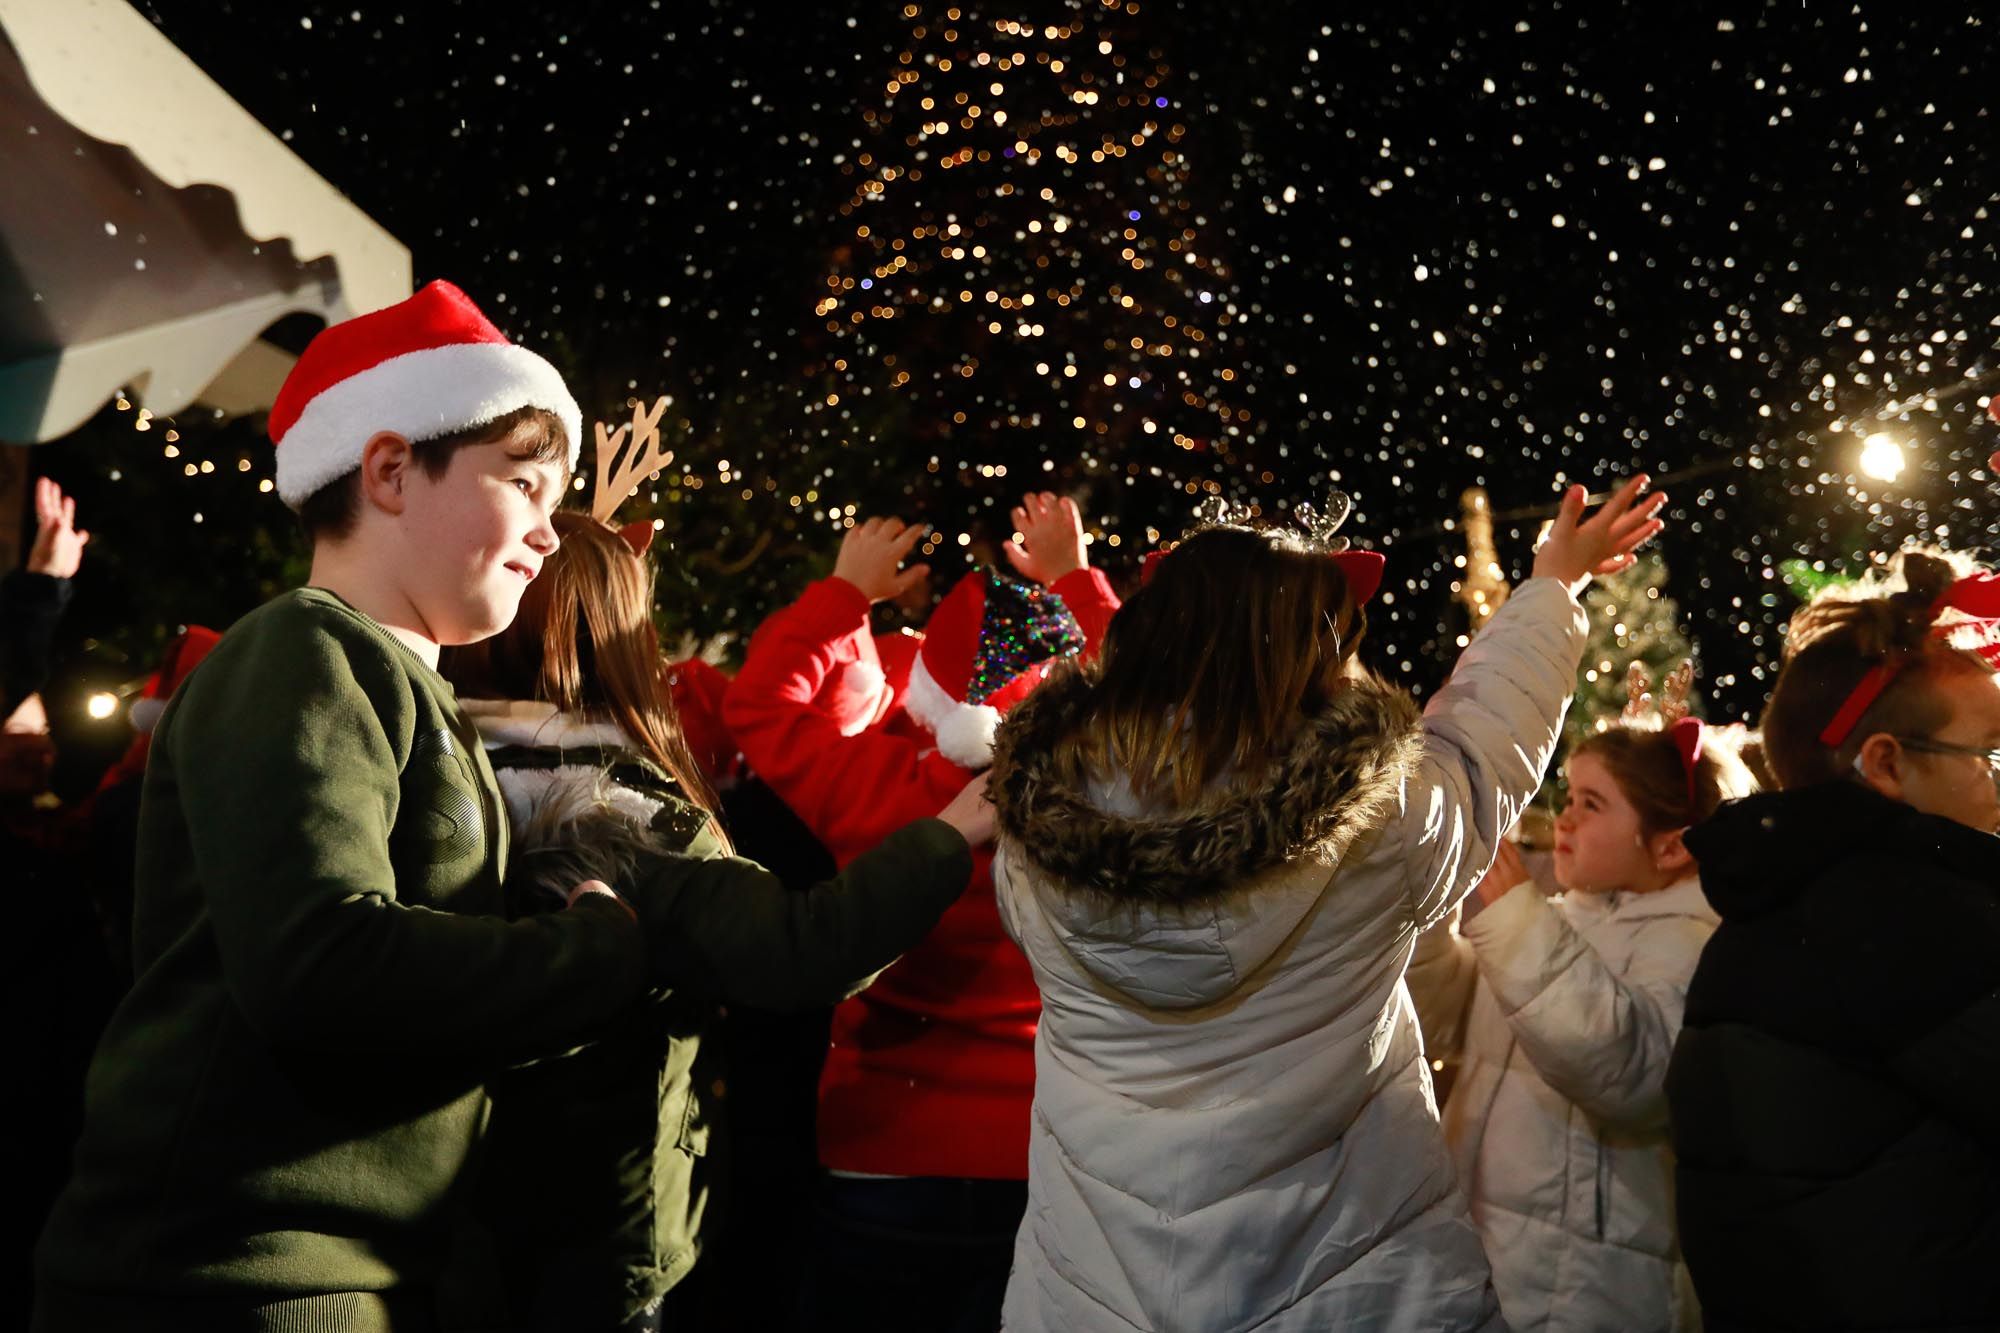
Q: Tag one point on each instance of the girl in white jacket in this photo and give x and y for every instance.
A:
(1220, 842)
(1566, 1011)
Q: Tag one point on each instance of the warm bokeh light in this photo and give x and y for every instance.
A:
(1881, 457)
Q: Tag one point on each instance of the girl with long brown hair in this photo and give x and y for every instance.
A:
(1218, 846)
(597, 1161)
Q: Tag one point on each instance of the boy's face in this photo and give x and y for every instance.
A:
(1957, 784)
(483, 531)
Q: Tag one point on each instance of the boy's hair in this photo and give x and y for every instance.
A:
(1843, 634)
(584, 641)
(330, 513)
(1208, 668)
(1646, 764)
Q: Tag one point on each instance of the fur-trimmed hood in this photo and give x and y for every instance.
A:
(572, 818)
(1333, 782)
(1175, 908)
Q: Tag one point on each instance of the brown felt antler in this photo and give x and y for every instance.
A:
(623, 464)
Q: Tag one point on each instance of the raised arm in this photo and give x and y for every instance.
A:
(1489, 733)
(796, 747)
(1052, 552)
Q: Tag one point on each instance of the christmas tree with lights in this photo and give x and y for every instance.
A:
(1632, 622)
(1024, 266)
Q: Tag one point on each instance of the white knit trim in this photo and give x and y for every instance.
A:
(420, 396)
(964, 731)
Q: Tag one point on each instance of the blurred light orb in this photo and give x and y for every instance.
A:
(1881, 457)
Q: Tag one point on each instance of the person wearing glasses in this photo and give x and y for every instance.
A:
(1835, 1091)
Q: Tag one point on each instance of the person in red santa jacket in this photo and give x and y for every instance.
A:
(923, 1104)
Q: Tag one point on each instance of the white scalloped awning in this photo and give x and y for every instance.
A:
(151, 230)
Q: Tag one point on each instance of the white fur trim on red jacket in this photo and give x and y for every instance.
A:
(964, 731)
(420, 396)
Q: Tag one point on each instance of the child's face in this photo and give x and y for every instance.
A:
(1956, 785)
(484, 528)
(1600, 846)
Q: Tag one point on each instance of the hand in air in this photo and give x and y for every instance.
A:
(871, 558)
(58, 548)
(1578, 549)
(1051, 542)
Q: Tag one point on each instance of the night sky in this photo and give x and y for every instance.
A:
(1443, 245)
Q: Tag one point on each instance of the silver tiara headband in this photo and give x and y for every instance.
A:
(1320, 528)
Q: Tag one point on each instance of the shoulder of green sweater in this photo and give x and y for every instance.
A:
(308, 648)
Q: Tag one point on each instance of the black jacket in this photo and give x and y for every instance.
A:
(1835, 1092)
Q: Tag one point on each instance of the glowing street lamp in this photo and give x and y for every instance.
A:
(1881, 457)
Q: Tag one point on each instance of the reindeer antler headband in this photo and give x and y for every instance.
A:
(1690, 734)
(1362, 569)
(623, 463)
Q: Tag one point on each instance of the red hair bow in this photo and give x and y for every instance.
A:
(1690, 735)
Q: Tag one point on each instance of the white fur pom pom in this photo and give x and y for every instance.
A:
(965, 736)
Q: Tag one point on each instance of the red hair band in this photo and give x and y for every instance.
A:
(1361, 569)
(1690, 736)
(1977, 598)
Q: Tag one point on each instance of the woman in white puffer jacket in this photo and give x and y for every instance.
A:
(1219, 845)
(1565, 1012)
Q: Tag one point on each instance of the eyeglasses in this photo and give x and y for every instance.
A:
(1925, 745)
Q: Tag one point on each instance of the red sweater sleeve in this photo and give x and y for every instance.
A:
(1087, 594)
(851, 791)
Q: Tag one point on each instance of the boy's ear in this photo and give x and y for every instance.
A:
(385, 471)
(1880, 763)
(1670, 853)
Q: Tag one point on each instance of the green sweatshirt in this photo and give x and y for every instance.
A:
(282, 1108)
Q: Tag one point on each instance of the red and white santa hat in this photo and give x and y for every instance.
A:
(424, 367)
(990, 642)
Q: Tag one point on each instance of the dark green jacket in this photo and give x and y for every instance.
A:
(283, 1106)
(601, 1164)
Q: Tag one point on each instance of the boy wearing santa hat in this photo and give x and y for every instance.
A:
(281, 1107)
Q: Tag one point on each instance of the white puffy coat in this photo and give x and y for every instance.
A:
(1558, 1118)
(1233, 1126)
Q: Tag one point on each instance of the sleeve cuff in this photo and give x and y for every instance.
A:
(832, 608)
(26, 590)
(1083, 585)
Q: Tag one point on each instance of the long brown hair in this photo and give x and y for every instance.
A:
(1211, 665)
(1843, 634)
(584, 641)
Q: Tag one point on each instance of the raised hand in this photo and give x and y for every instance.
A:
(871, 556)
(1051, 542)
(58, 548)
(1577, 550)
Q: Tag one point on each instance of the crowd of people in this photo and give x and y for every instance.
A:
(1071, 965)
